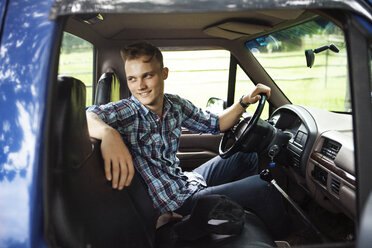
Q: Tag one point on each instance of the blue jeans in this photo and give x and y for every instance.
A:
(236, 177)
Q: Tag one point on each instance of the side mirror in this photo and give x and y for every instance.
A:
(216, 105)
(309, 57)
(310, 54)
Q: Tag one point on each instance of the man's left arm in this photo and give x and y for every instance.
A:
(231, 115)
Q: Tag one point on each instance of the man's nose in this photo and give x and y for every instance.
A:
(142, 84)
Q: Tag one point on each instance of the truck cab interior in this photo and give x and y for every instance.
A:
(305, 134)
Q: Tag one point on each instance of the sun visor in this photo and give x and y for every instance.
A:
(283, 14)
(233, 30)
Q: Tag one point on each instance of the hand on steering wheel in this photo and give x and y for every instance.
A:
(232, 139)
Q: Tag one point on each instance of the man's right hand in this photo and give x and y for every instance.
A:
(118, 160)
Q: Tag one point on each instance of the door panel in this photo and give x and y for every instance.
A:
(195, 149)
(2, 11)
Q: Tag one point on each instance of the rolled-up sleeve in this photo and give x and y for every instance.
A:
(105, 112)
(116, 114)
(198, 121)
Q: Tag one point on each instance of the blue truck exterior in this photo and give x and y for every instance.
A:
(27, 42)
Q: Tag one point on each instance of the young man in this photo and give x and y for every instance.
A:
(142, 134)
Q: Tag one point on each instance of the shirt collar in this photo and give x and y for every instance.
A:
(144, 110)
(141, 108)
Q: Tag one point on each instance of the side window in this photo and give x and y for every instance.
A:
(244, 85)
(197, 75)
(76, 60)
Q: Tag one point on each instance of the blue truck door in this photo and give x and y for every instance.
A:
(27, 43)
(2, 14)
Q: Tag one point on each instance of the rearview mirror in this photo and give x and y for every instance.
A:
(216, 105)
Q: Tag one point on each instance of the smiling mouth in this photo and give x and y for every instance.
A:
(144, 94)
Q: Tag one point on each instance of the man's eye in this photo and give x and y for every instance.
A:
(148, 75)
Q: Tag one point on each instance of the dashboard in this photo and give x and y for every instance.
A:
(299, 123)
(320, 154)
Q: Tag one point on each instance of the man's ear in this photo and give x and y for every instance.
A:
(165, 73)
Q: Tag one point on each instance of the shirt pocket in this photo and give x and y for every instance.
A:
(150, 139)
(176, 133)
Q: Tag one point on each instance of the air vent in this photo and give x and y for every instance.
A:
(335, 185)
(330, 148)
(320, 175)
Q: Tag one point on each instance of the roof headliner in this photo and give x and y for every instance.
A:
(180, 26)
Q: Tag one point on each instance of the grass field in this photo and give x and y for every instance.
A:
(199, 75)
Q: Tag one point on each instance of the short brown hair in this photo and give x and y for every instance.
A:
(139, 49)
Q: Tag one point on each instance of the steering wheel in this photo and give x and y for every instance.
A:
(233, 139)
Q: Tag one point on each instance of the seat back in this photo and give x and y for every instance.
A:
(81, 209)
(107, 88)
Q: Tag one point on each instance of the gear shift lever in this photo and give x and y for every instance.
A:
(266, 176)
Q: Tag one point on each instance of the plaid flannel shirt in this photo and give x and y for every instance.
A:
(153, 143)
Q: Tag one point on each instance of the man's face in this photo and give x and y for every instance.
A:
(146, 81)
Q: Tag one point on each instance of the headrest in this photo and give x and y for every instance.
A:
(108, 89)
(70, 122)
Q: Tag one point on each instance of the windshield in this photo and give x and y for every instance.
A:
(319, 79)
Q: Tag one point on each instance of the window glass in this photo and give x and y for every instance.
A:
(244, 85)
(197, 75)
(76, 60)
(325, 84)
